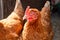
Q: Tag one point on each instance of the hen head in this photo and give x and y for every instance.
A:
(31, 14)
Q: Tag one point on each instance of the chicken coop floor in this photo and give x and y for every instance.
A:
(56, 26)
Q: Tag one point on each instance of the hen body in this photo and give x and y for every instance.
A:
(40, 29)
(12, 25)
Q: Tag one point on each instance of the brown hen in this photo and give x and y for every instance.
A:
(38, 25)
(12, 25)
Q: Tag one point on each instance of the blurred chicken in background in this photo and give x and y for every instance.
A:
(11, 26)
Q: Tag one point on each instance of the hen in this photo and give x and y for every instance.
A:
(38, 25)
(11, 26)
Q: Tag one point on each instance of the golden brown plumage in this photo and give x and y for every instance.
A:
(12, 25)
(39, 27)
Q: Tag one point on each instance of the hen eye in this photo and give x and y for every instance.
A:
(32, 13)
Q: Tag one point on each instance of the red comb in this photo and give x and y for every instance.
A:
(27, 9)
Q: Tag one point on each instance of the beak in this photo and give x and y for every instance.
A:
(24, 17)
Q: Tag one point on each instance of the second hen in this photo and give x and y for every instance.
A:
(38, 25)
(11, 26)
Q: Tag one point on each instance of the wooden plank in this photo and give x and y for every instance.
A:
(1, 9)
